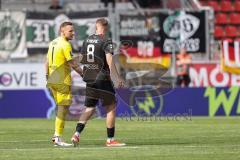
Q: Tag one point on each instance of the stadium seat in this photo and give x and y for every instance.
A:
(234, 18)
(237, 6)
(226, 6)
(219, 32)
(222, 18)
(231, 31)
(214, 5)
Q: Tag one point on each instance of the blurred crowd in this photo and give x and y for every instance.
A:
(58, 4)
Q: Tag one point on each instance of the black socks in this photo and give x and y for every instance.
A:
(80, 127)
(110, 132)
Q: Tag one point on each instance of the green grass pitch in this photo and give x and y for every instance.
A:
(201, 138)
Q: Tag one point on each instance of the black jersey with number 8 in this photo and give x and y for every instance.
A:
(94, 51)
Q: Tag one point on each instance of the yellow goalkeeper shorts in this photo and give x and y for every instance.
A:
(62, 94)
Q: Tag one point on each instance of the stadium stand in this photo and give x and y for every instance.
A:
(40, 5)
(221, 18)
(227, 18)
(214, 5)
(90, 5)
(234, 18)
(231, 31)
(219, 32)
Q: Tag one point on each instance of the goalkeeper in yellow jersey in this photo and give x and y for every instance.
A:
(58, 72)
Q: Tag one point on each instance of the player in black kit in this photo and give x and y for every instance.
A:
(97, 53)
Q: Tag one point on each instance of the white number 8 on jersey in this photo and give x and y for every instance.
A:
(90, 53)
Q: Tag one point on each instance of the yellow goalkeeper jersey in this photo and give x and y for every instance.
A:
(59, 53)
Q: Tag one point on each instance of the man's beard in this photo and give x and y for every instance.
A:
(69, 38)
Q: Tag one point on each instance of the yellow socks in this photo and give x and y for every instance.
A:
(60, 120)
(59, 125)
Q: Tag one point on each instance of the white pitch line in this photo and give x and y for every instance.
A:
(102, 139)
(39, 140)
(96, 139)
(103, 147)
(69, 148)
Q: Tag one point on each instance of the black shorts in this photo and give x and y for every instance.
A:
(100, 90)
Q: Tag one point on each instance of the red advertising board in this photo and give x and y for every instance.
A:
(211, 74)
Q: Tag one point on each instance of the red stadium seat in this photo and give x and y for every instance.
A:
(219, 32)
(237, 6)
(231, 31)
(234, 18)
(226, 6)
(214, 5)
(221, 18)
